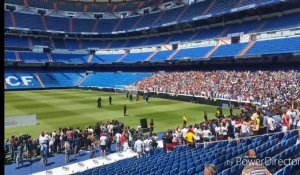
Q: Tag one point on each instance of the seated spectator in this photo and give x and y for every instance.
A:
(210, 169)
(253, 167)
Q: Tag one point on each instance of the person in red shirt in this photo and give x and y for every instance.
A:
(285, 122)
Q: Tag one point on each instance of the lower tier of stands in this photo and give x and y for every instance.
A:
(17, 80)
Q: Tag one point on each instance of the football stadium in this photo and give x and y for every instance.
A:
(152, 87)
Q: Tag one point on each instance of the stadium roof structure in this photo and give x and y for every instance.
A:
(102, 0)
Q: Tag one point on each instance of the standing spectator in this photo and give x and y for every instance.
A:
(271, 124)
(19, 157)
(245, 128)
(154, 141)
(164, 139)
(206, 135)
(190, 138)
(230, 130)
(169, 139)
(109, 142)
(183, 132)
(198, 133)
(285, 122)
(92, 151)
(175, 139)
(148, 146)
(103, 142)
(51, 144)
(292, 114)
(29, 146)
(13, 146)
(117, 140)
(44, 153)
(68, 150)
(151, 127)
(138, 147)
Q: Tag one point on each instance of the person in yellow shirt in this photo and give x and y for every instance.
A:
(190, 138)
(184, 118)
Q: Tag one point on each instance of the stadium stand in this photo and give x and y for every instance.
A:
(275, 23)
(276, 46)
(109, 79)
(183, 160)
(216, 7)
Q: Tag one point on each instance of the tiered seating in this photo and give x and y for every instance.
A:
(230, 50)
(33, 57)
(15, 82)
(134, 57)
(109, 58)
(70, 58)
(41, 41)
(32, 22)
(275, 46)
(57, 23)
(9, 56)
(161, 55)
(86, 25)
(285, 21)
(109, 79)
(63, 79)
(183, 160)
(15, 41)
(192, 53)
(7, 19)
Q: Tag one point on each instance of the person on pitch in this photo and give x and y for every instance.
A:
(110, 100)
(99, 102)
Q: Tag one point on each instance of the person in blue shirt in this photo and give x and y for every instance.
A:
(278, 120)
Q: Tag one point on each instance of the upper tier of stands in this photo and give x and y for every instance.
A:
(105, 26)
(275, 23)
(90, 6)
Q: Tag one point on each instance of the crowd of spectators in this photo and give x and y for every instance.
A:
(71, 141)
(252, 120)
(264, 87)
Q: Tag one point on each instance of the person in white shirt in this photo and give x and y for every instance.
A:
(148, 146)
(206, 135)
(183, 132)
(271, 124)
(138, 147)
(292, 114)
(245, 128)
(118, 141)
(42, 138)
(103, 142)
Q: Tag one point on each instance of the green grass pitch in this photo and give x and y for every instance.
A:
(75, 107)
